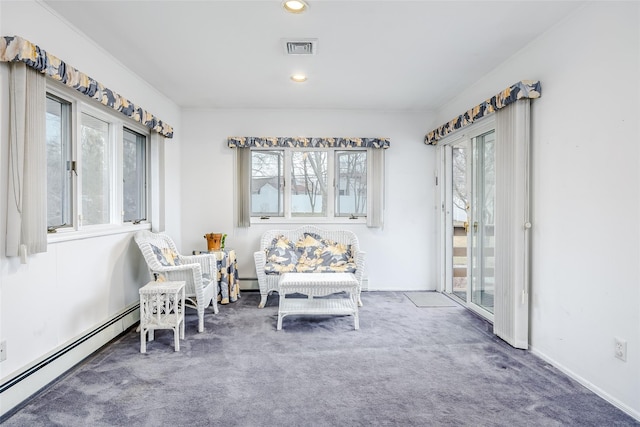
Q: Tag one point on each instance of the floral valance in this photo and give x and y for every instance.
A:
(301, 142)
(521, 90)
(17, 49)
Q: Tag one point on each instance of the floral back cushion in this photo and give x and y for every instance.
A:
(281, 256)
(311, 253)
(310, 245)
(165, 256)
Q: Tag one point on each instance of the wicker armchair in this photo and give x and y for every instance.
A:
(269, 282)
(199, 272)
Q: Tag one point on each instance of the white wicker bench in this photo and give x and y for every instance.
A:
(318, 285)
(270, 282)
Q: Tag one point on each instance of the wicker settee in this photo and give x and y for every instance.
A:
(307, 249)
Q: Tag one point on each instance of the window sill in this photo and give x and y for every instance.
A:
(309, 220)
(95, 231)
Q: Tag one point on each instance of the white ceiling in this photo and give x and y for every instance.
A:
(383, 55)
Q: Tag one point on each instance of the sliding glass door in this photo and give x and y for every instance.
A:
(469, 220)
(482, 240)
(483, 182)
(460, 206)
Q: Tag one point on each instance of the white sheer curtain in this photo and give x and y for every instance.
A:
(27, 185)
(243, 190)
(375, 184)
(512, 232)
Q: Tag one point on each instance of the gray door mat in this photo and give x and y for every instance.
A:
(430, 299)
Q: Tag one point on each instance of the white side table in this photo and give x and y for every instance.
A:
(161, 307)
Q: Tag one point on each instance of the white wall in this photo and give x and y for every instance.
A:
(78, 284)
(586, 193)
(399, 257)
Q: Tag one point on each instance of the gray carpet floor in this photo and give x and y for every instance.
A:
(406, 366)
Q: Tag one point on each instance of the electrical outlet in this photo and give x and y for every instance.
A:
(621, 349)
(3, 351)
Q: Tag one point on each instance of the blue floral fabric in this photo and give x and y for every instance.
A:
(521, 90)
(301, 142)
(310, 254)
(227, 278)
(282, 256)
(17, 49)
(165, 256)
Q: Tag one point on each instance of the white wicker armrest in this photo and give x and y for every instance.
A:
(207, 262)
(180, 272)
(359, 260)
(260, 259)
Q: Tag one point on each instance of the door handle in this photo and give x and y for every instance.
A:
(466, 227)
(475, 226)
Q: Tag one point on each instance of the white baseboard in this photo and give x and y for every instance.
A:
(249, 285)
(23, 384)
(597, 390)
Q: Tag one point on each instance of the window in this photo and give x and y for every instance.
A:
(134, 176)
(96, 171)
(59, 163)
(351, 199)
(323, 183)
(308, 190)
(93, 181)
(267, 183)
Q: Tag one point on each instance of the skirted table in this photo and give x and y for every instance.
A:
(228, 284)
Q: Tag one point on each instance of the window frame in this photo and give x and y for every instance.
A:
(79, 105)
(332, 173)
(143, 177)
(336, 205)
(67, 130)
(110, 156)
(281, 177)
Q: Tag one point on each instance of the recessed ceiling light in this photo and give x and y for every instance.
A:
(299, 78)
(295, 6)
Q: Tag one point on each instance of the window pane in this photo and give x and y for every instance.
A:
(309, 183)
(267, 182)
(59, 179)
(352, 183)
(134, 198)
(95, 171)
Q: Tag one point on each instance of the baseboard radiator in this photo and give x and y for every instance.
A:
(20, 387)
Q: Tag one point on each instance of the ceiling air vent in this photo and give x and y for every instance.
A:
(301, 47)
